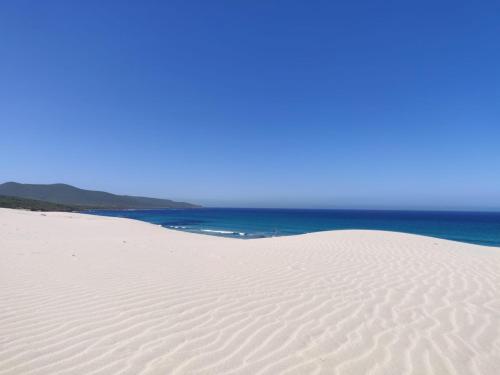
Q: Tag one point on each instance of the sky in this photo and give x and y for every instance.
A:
(321, 104)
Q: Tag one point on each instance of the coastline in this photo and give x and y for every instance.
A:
(482, 228)
(85, 293)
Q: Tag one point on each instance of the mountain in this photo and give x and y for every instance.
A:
(33, 205)
(73, 196)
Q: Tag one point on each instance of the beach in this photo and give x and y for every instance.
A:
(85, 294)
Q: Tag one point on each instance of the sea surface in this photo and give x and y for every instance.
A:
(473, 227)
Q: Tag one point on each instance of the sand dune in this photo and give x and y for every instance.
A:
(94, 295)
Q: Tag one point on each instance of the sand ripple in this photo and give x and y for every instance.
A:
(91, 295)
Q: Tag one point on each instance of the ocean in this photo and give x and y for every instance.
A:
(473, 227)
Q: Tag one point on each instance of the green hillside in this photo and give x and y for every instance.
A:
(33, 205)
(73, 196)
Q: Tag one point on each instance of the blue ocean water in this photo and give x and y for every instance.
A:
(473, 227)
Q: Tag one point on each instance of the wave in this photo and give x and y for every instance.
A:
(214, 231)
(223, 232)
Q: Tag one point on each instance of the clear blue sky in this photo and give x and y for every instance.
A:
(256, 103)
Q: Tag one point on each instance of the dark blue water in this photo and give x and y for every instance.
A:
(473, 227)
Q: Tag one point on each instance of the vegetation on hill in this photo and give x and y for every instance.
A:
(33, 205)
(73, 196)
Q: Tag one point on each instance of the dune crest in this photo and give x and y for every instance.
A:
(83, 294)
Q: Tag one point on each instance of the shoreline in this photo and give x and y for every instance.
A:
(472, 227)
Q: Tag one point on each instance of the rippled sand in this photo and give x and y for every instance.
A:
(84, 294)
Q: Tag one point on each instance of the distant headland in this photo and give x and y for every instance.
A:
(73, 198)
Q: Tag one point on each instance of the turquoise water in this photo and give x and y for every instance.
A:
(473, 227)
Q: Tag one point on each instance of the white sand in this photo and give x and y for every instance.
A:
(93, 295)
